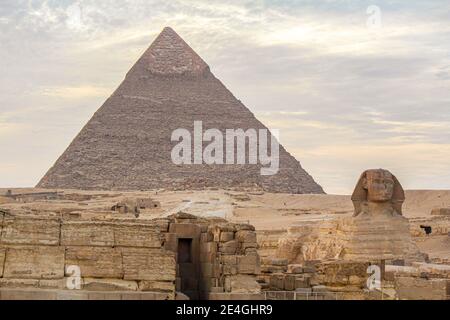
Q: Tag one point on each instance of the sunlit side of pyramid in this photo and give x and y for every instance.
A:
(127, 143)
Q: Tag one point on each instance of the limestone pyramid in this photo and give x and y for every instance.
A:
(127, 143)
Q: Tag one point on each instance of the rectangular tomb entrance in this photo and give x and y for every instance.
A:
(214, 258)
(188, 266)
(187, 240)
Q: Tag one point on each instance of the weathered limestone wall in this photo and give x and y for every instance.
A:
(35, 252)
(420, 281)
(410, 288)
(268, 241)
(228, 261)
(126, 255)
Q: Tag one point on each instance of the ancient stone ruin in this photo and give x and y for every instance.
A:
(332, 259)
(168, 258)
(117, 245)
(127, 143)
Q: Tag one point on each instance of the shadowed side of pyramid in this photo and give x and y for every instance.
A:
(127, 143)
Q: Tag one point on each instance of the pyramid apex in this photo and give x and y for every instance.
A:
(170, 54)
(168, 29)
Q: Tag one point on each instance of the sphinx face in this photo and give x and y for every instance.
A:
(379, 185)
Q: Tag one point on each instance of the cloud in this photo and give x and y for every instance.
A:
(345, 97)
(79, 92)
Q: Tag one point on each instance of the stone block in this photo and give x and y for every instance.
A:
(137, 235)
(34, 263)
(277, 281)
(244, 226)
(87, 233)
(171, 242)
(289, 282)
(357, 281)
(157, 296)
(135, 296)
(433, 270)
(104, 296)
(19, 283)
(71, 295)
(309, 269)
(246, 236)
(96, 284)
(243, 284)
(279, 262)
(303, 290)
(248, 245)
(96, 262)
(229, 247)
(149, 264)
(273, 269)
(222, 296)
(229, 269)
(229, 260)
(185, 230)
(248, 264)
(157, 286)
(320, 289)
(249, 251)
(23, 294)
(295, 268)
(52, 284)
(226, 236)
(229, 264)
(391, 272)
(339, 272)
(162, 224)
(302, 282)
(30, 230)
(409, 288)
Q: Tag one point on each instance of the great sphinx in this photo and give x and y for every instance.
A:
(376, 231)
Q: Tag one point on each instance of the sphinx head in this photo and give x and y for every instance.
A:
(380, 186)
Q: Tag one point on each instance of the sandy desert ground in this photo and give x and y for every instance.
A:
(266, 211)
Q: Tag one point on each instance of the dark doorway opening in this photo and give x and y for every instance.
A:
(184, 250)
(188, 268)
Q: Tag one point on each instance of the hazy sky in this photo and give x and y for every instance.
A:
(346, 95)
